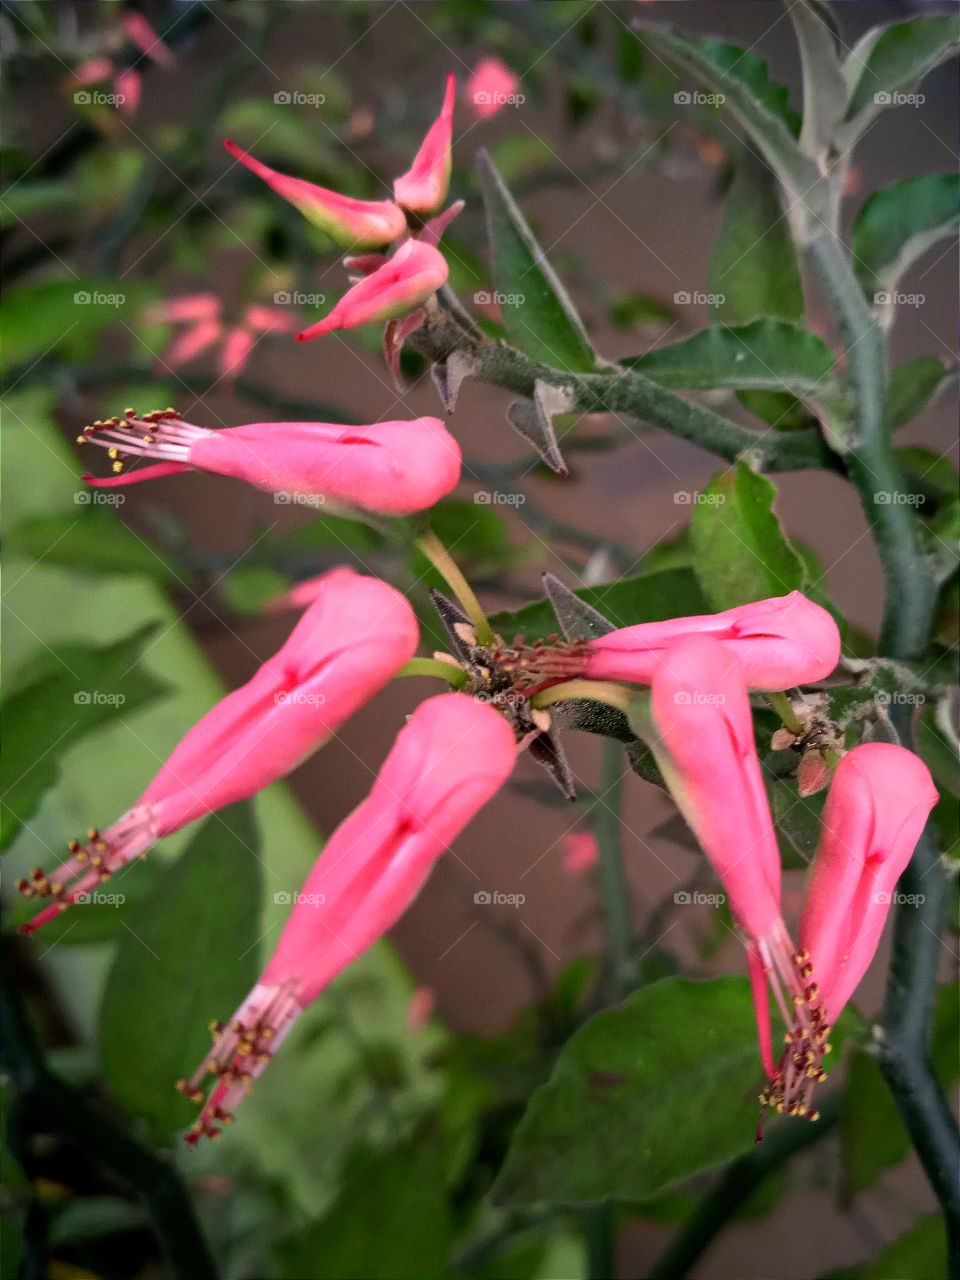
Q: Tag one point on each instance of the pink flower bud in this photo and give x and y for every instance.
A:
(353, 638)
(491, 87)
(394, 468)
(781, 642)
(350, 222)
(423, 188)
(236, 352)
(878, 803)
(414, 273)
(453, 755)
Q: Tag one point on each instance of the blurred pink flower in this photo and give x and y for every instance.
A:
(421, 1007)
(423, 188)
(201, 313)
(140, 32)
(580, 852)
(491, 86)
(414, 273)
(394, 468)
(351, 223)
(127, 80)
(780, 642)
(879, 800)
(452, 756)
(354, 637)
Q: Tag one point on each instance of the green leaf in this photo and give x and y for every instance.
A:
(25, 201)
(740, 553)
(768, 354)
(753, 267)
(188, 955)
(796, 820)
(649, 598)
(873, 1138)
(63, 316)
(760, 104)
(893, 61)
(778, 409)
(899, 223)
(824, 85)
(538, 314)
(247, 589)
(637, 310)
(402, 1193)
(93, 540)
(921, 1254)
(913, 385)
(72, 691)
(675, 1067)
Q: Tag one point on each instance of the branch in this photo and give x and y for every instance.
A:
(625, 392)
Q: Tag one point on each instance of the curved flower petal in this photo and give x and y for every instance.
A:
(423, 188)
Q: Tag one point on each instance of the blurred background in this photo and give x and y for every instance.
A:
(110, 208)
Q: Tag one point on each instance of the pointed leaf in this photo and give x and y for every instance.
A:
(767, 354)
(93, 540)
(921, 1252)
(577, 619)
(538, 314)
(188, 955)
(753, 267)
(892, 61)
(448, 376)
(913, 385)
(675, 1066)
(899, 223)
(533, 420)
(740, 553)
(72, 692)
(824, 86)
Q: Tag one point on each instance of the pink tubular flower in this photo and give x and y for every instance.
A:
(351, 223)
(580, 852)
(879, 800)
(348, 644)
(139, 31)
(394, 468)
(453, 755)
(707, 754)
(491, 87)
(423, 188)
(414, 273)
(781, 642)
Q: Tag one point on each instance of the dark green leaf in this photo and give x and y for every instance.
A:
(92, 539)
(899, 223)
(899, 57)
(778, 408)
(538, 314)
(247, 589)
(390, 1219)
(675, 1066)
(671, 594)
(913, 385)
(796, 820)
(73, 691)
(740, 553)
(753, 267)
(636, 310)
(188, 955)
(767, 354)
(921, 1254)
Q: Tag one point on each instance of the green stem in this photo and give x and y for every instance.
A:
(598, 1235)
(454, 675)
(613, 695)
(449, 570)
(714, 1212)
(784, 709)
(614, 890)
